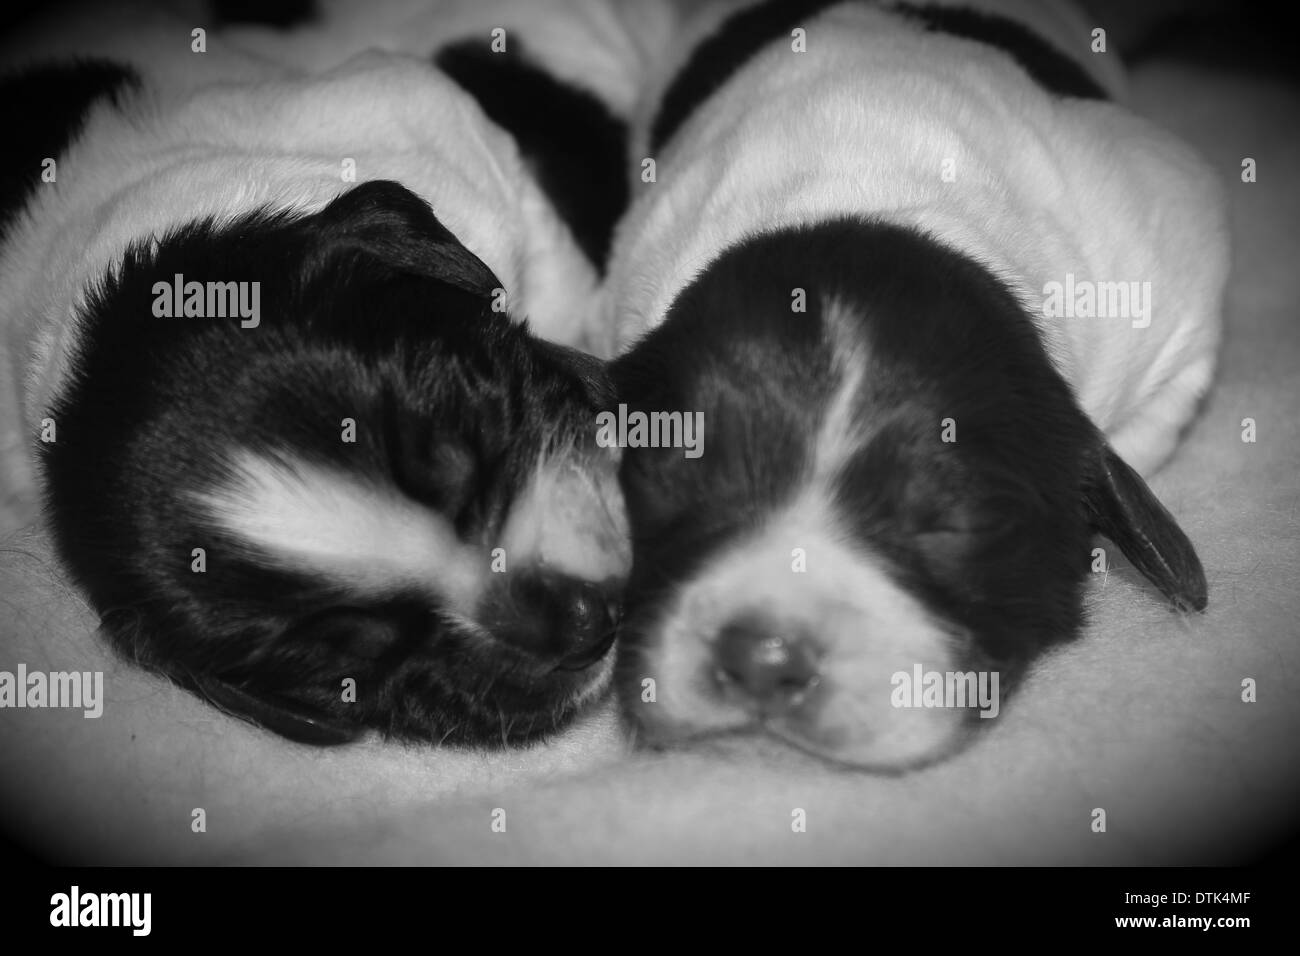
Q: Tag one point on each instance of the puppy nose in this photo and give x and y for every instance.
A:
(587, 617)
(773, 667)
(563, 621)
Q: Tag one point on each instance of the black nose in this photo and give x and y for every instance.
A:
(564, 621)
(587, 619)
(773, 667)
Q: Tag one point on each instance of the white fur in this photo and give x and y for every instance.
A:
(296, 514)
(302, 516)
(863, 122)
(571, 518)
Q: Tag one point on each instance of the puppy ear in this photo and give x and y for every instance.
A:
(1121, 506)
(336, 640)
(386, 221)
(290, 720)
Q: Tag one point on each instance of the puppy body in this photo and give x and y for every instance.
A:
(842, 265)
(390, 479)
(1045, 187)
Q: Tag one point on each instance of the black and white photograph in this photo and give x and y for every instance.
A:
(799, 433)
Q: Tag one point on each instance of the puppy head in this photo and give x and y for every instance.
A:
(342, 491)
(894, 510)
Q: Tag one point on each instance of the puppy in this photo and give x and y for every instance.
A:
(295, 443)
(848, 269)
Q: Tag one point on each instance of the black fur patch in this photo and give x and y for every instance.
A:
(574, 145)
(370, 310)
(1048, 66)
(45, 108)
(283, 14)
(747, 32)
(722, 54)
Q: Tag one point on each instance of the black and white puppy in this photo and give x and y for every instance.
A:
(294, 443)
(937, 302)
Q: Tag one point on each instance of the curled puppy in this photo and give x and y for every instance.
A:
(933, 302)
(295, 444)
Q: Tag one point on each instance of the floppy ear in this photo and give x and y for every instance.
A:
(387, 221)
(1121, 506)
(337, 639)
(290, 720)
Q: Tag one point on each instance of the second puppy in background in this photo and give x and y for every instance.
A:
(851, 262)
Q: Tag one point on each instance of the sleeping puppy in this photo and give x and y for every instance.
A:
(847, 276)
(294, 443)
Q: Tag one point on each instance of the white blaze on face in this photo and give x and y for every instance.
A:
(299, 514)
(571, 519)
(864, 625)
